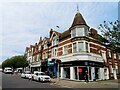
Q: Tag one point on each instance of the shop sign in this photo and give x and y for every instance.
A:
(79, 70)
(86, 63)
(51, 63)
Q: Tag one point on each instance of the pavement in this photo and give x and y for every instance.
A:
(81, 84)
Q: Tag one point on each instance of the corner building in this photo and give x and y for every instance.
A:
(78, 49)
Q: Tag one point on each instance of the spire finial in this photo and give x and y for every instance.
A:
(77, 8)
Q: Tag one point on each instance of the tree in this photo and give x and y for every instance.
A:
(15, 62)
(111, 32)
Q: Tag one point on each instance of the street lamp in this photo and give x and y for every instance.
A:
(58, 62)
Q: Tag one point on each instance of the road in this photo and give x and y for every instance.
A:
(13, 82)
(16, 82)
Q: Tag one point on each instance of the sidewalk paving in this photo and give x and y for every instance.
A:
(80, 84)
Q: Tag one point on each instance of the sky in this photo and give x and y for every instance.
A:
(22, 23)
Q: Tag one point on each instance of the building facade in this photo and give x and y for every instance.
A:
(73, 52)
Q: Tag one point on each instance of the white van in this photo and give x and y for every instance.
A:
(8, 70)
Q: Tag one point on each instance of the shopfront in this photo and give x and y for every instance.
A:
(36, 66)
(75, 70)
(52, 67)
(44, 66)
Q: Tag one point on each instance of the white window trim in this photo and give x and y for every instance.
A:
(64, 49)
(114, 55)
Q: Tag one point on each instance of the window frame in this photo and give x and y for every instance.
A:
(65, 51)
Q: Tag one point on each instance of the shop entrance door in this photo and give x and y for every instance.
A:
(96, 73)
(82, 73)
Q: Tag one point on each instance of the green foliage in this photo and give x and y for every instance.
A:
(101, 39)
(15, 62)
(111, 32)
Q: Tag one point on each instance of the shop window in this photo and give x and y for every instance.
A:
(67, 72)
(76, 73)
(96, 73)
(82, 73)
(74, 48)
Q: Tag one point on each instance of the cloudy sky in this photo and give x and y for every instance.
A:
(24, 22)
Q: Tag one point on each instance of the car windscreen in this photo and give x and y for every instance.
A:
(41, 73)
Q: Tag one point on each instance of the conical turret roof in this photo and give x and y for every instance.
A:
(78, 20)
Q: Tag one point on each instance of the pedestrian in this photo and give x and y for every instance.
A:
(51, 74)
(86, 77)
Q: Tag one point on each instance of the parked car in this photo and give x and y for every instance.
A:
(8, 70)
(41, 77)
(26, 74)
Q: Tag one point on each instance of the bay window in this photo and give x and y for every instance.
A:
(74, 48)
(86, 46)
(74, 33)
(79, 32)
(54, 52)
(65, 50)
(80, 46)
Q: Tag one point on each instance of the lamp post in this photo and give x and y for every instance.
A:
(58, 67)
(58, 71)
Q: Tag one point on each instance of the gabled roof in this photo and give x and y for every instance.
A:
(65, 34)
(78, 20)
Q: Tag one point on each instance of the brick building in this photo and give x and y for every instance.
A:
(75, 50)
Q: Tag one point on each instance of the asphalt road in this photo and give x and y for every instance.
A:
(15, 81)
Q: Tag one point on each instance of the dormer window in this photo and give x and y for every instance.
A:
(79, 31)
(39, 48)
(45, 44)
(55, 40)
